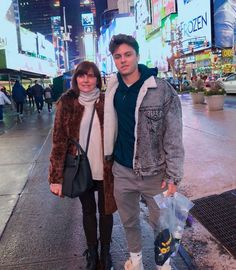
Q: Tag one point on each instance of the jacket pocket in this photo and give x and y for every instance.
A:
(153, 118)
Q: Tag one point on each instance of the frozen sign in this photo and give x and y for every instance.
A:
(194, 20)
(194, 25)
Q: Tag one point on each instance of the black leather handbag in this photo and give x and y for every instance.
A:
(77, 171)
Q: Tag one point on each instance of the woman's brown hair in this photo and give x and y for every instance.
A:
(83, 68)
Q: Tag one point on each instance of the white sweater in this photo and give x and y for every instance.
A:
(4, 99)
(95, 153)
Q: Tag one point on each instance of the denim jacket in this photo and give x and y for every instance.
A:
(158, 144)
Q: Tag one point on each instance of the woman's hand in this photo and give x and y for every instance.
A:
(56, 189)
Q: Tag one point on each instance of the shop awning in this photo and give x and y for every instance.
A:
(20, 73)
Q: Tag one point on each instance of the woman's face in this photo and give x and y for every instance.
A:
(86, 82)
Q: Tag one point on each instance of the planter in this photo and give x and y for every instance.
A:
(197, 98)
(215, 102)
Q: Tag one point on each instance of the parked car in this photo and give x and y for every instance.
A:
(224, 76)
(210, 79)
(229, 84)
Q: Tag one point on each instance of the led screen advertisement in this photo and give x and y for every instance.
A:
(169, 7)
(56, 25)
(160, 10)
(224, 23)
(87, 19)
(194, 23)
(28, 41)
(142, 13)
(32, 64)
(45, 47)
(8, 37)
(156, 13)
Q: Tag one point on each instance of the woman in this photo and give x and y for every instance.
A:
(73, 115)
(3, 100)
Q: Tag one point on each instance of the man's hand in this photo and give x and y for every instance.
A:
(172, 188)
(56, 189)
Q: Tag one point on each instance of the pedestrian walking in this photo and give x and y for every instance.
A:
(4, 90)
(38, 91)
(30, 96)
(3, 100)
(48, 97)
(73, 115)
(143, 133)
(19, 97)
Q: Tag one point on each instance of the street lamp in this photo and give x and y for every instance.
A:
(66, 38)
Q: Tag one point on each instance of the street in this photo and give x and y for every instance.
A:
(41, 231)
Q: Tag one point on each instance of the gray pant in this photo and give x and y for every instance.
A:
(127, 190)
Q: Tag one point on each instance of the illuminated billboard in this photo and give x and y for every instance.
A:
(224, 23)
(160, 10)
(142, 13)
(156, 13)
(28, 41)
(87, 19)
(56, 25)
(8, 36)
(194, 22)
(169, 7)
(45, 47)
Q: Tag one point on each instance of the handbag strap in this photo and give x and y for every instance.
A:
(90, 128)
(88, 138)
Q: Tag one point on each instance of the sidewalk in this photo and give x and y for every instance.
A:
(45, 232)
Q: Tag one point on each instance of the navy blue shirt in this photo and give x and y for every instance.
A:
(125, 103)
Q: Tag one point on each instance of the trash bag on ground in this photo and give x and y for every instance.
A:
(173, 214)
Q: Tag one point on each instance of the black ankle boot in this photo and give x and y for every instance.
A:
(92, 257)
(105, 257)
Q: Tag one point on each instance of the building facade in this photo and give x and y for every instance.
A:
(36, 15)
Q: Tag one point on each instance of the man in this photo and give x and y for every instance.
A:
(19, 97)
(143, 132)
(38, 91)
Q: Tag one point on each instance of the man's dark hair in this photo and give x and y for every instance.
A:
(117, 40)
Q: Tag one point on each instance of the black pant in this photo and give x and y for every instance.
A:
(39, 103)
(31, 100)
(19, 107)
(89, 216)
(49, 106)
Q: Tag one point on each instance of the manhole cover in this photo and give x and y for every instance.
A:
(218, 214)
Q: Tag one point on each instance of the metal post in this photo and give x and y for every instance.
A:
(65, 37)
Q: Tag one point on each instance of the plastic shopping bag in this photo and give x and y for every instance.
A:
(173, 214)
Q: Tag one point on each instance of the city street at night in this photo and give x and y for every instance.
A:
(41, 231)
(106, 105)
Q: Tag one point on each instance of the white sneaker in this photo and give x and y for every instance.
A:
(129, 265)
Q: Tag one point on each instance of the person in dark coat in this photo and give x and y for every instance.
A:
(48, 97)
(19, 96)
(30, 96)
(38, 91)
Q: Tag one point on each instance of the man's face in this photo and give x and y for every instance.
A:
(126, 59)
